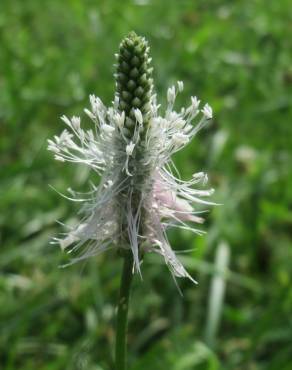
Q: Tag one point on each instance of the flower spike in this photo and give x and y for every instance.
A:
(130, 146)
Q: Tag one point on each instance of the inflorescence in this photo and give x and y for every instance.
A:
(130, 146)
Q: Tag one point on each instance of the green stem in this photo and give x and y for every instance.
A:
(122, 314)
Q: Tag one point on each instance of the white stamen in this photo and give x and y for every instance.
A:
(195, 102)
(89, 114)
(116, 102)
(138, 116)
(76, 123)
(53, 148)
(207, 111)
(120, 119)
(107, 128)
(180, 139)
(171, 95)
(66, 120)
(59, 158)
(180, 86)
(129, 148)
(179, 123)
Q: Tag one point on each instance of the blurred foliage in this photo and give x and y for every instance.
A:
(235, 55)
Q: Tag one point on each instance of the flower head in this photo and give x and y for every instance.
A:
(130, 146)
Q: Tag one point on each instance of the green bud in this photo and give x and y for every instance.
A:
(135, 61)
(131, 85)
(136, 102)
(134, 73)
(139, 92)
(126, 96)
(133, 79)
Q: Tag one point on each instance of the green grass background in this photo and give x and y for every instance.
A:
(236, 55)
